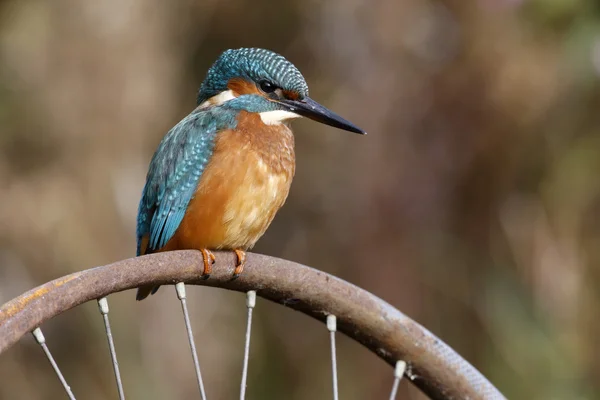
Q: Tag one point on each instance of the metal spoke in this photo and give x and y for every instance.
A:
(332, 327)
(180, 288)
(250, 303)
(398, 373)
(39, 337)
(103, 306)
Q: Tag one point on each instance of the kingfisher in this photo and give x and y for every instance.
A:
(221, 174)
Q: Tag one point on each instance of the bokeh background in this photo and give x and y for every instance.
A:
(472, 205)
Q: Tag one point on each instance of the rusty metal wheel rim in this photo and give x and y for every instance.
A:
(433, 366)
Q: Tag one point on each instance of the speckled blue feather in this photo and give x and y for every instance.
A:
(175, 171)
(254, 65)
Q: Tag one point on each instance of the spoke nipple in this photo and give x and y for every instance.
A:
(39, 336)
(331, 323)
(103, 305)
(180, 289)
(400, 368)
(251, 299)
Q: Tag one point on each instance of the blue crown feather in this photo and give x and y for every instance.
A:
(254, 65)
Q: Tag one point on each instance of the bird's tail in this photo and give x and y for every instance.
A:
(145, 291)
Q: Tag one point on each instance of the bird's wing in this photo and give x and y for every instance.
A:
(173, 177)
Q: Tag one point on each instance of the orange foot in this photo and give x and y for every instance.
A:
(208, 259)
(239, 266)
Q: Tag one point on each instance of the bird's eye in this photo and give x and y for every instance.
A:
(267, 86)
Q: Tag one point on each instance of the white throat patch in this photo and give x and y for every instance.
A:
(277, 117)
(219, 99)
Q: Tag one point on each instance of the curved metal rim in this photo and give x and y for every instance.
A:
(433, 366)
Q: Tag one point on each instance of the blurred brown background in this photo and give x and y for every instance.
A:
(472, 205)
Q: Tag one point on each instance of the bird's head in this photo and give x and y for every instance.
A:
(264, 82)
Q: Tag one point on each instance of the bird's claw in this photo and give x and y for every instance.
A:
(208, 259)
(239, 266)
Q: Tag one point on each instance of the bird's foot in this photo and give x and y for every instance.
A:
(208, 259)
(239, 265)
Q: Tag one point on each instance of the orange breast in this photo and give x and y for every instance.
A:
(245, 183)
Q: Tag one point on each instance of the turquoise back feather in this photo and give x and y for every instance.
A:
(174, 173)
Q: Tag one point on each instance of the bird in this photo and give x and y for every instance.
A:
(220, 175)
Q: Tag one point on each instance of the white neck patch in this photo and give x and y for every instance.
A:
(219, 99)
(277, 117)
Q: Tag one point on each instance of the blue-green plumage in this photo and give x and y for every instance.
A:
(254, 65)
(172, 178)
(174, 172)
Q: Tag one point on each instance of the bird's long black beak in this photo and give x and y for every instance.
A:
(309, 108)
